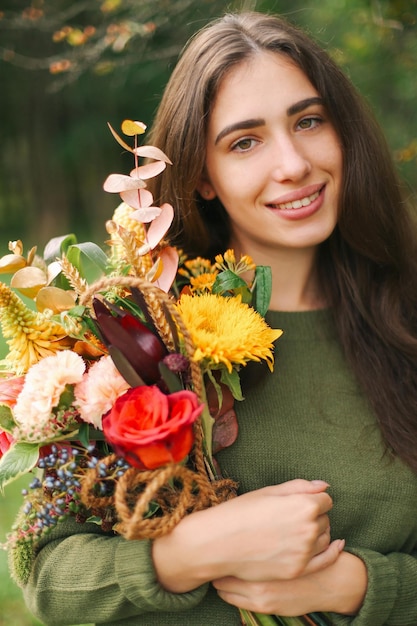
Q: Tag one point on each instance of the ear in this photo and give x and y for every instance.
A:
(205, 189)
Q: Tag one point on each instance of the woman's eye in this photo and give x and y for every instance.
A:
(309, 122)
(242, 145)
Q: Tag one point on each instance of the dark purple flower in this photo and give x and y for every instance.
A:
(136, 350)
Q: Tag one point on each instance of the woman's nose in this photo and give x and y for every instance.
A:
(288, 161)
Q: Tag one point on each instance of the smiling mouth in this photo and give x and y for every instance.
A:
(296, 204)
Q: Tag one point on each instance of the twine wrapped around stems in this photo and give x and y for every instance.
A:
(174, 490)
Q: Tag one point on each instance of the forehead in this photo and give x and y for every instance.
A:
(254, 85)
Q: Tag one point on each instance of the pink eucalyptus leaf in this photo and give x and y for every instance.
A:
(119, 139)
(146, 215)
(169, 259)
(149, 170)
(131, 128)
(160, 225)
(151, 152)
(115, 183)
(137, 199)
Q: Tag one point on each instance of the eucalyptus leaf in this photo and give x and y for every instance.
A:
(17, 461)
(7, 422)
(262, 289)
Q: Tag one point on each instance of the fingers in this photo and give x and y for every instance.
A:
(325, 558)
(322, 542)
(299, 485)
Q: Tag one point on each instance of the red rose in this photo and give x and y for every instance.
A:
(151, 429)
(6, 441)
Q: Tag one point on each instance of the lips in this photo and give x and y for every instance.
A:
(294, 202)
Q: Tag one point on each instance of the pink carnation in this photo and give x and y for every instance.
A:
(98, 391)
(44, 384)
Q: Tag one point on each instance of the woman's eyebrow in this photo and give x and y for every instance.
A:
(297, 107)
(243, 125)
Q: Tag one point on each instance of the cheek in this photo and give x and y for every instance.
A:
(237, 192)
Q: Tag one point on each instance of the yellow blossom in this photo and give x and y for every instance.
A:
(203, 283)
(30, 335)
(226, 332)
(198, 266)
(227, 261)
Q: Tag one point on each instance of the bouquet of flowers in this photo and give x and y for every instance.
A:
(122, 370)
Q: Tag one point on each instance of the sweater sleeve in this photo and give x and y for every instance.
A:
(391, 597)
(82, 575)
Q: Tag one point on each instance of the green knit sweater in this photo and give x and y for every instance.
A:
(306, 420)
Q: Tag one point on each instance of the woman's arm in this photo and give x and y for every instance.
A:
(82, 575)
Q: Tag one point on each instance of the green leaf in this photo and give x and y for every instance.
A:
(216, 386)
(7, 422)
(232, 380)
(17, 461)
(84, 435)
(262, 289)
(171, 379)
(89, 259)
(57, 246)
(67, 397)
(125, 368)
(94, 519)
(228, 281)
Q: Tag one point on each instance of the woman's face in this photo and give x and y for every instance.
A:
(273, 157)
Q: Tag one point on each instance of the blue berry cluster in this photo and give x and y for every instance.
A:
(57, 495)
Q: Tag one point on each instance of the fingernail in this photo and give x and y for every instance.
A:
(341, 545)
(319, 482)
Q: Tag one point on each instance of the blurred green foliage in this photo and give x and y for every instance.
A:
(68, 68)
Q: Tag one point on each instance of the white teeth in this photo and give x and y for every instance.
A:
(297, 204)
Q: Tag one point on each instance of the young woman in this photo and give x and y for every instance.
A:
(276, 156)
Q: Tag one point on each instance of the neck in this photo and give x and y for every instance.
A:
(295, 285)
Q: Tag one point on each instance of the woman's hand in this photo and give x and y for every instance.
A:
(272, 533)
(340, 588)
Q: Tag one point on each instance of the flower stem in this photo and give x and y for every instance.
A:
(258, 619)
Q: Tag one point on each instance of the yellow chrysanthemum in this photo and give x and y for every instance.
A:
(31, 336)
(226, 332)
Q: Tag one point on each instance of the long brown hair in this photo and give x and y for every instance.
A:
(368, 265)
